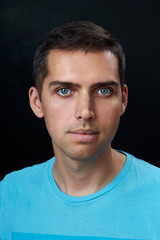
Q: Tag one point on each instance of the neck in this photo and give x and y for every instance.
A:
(80, 178)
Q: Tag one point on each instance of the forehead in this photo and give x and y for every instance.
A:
(81, 66)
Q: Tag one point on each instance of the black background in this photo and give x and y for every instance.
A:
(24, 139)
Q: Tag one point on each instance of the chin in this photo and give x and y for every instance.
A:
(84, 157)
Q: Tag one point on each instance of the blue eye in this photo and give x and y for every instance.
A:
(104, 91)
(64, 91)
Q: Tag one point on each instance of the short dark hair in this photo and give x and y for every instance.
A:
(80, 35)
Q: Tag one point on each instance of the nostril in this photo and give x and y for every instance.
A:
(86, 114)
(85, 106)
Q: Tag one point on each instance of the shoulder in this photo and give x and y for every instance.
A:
(27, 177)
(144, 172)
(146, 168)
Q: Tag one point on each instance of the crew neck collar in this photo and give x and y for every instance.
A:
(95, 195)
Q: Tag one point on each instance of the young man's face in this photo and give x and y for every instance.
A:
(82, 102)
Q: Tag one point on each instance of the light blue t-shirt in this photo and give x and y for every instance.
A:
(32, 207)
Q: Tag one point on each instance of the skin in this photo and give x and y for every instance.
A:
(82, 102)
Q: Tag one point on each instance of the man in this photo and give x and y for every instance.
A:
(89, 190)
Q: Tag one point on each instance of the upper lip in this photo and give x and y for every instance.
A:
(84, 131)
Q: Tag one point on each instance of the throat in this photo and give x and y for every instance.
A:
(85, 178)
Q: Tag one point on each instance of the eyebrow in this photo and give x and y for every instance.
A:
(97, 84)
(57, 82)
(106, 83)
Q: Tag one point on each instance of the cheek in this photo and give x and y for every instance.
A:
(110, 115)
(56, 115)
(111, 108)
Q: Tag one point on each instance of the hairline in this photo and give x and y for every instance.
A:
(89, 50)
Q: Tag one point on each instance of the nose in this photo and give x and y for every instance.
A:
(85, 108)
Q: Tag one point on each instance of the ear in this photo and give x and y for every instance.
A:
(124, 99)
(35, 102)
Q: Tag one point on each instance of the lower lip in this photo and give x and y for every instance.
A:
(82, 137)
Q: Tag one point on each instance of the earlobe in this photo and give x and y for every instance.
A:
(124, 99)
(35, 102)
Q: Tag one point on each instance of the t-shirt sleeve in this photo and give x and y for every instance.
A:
(0, 210)
(1, 206)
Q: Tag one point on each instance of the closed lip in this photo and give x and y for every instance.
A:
(84, 131)
(84, 135)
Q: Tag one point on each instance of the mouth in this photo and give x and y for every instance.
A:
(83, 135)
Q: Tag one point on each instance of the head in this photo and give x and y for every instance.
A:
(79, 89)
(82, 35)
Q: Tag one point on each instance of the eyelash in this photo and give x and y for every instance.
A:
(71, 91)
(108, 89)
(58, 91)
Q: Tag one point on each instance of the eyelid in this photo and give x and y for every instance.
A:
(105, 87)
(72, 91)
(64, 87)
